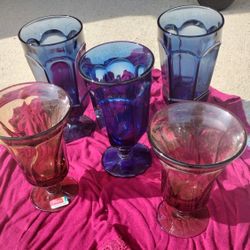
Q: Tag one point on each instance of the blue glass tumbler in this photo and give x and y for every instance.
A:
(189, 41)
(118, 76)
(52, 47)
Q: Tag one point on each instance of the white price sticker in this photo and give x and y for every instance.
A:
(59, 202)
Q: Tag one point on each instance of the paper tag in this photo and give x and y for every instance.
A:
(59, 202)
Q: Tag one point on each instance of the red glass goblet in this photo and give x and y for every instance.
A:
(32, 119)
(195, 141)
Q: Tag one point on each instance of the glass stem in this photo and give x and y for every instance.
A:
(76, 112)
(55, 189)
(124, 152)
(181, 215)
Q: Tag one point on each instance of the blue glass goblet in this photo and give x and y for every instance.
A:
(52, 47)
(189, 41)
(118, 76)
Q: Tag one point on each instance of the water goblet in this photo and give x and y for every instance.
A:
(118, 76)
(189, 41)
(32, 118)
(194, 141)
(52, 47)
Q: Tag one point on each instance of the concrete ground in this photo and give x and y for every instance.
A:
(106, 20)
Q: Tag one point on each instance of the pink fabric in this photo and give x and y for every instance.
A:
(30, 119)
(115, 213)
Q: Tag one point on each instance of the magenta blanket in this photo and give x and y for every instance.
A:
(115, 213)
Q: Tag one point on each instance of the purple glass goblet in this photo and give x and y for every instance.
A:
(32, 119)
(194, 141)
(52, 47)
(118, 76)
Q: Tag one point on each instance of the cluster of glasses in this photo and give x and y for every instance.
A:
(193, 140)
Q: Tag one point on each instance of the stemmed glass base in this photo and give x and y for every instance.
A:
(181, 224)
(129, 164)
(55, 198)
(78, 128)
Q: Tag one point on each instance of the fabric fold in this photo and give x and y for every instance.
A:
(116, 213)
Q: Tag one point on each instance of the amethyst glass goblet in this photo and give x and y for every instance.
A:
(32, 118)
(194, 141)
(52, 47)
(118, 76)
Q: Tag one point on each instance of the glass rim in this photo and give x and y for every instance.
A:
(47, 131)
(87, 78)
(44, 18)
(190, 166)
(191, 7)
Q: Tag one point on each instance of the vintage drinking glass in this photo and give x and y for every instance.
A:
(32, 118)
(189, 41)
(118, 76)
(194, 141)
(52, 46)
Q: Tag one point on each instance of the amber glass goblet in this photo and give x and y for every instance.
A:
(32, 119)
(195, 142)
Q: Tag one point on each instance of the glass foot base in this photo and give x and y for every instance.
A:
(136, 162)
(77, 129)
(180, 225)
(56, 201)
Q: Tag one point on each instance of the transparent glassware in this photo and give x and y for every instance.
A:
(118, 76)
(32, 119)
(189, 40)
(194, 141)
(52, 46)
